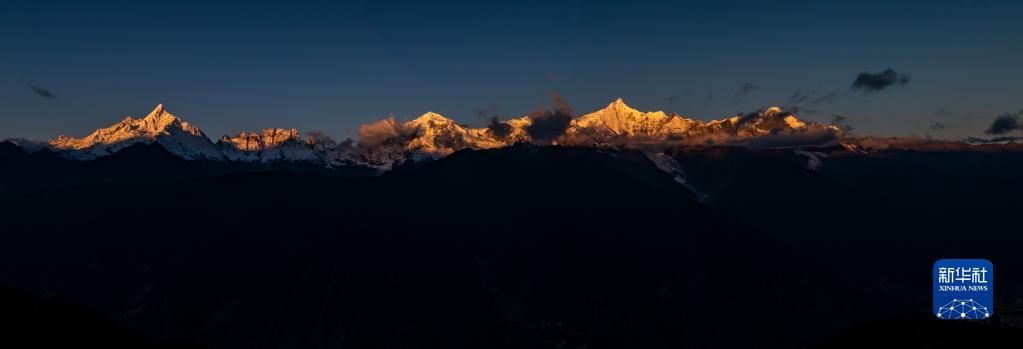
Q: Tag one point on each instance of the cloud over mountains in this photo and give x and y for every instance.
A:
(874, 82)
(1005, 123)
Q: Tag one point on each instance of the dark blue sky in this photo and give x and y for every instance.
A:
(330, 66)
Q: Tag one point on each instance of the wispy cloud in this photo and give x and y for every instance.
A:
(841, 122)
(744, 90)
(829, 97)
(42, 92)
(873, 82)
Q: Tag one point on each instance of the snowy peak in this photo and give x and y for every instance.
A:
(437, 135)
(159, 126)
(511, 131)
(619, 106)
(159, 120)
(431, 125)
(619, 119)
(432, 136)
(267, 145)
(770, 120)
(159, 113)
(430, 118)
(262, 139)
(789, 120)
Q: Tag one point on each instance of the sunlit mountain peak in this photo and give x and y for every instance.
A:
(430, 116)
(265, 138)
(267, 145)
(159, 126)
(158, 111)
(620, 105)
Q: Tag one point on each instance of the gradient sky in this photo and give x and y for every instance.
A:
(330, 66)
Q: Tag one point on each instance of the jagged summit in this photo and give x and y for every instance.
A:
(620, 104)
(262, 139)
(158, 126)
(619, 119)
(157, 111)
(266, 145)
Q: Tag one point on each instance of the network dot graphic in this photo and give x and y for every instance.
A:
(965, 309)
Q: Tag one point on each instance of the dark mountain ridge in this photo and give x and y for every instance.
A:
(516, 247)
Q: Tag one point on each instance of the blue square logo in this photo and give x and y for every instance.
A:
(963, 289)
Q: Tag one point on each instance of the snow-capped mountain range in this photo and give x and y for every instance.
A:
(387, 142)
(177, 136)
(272, 144)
